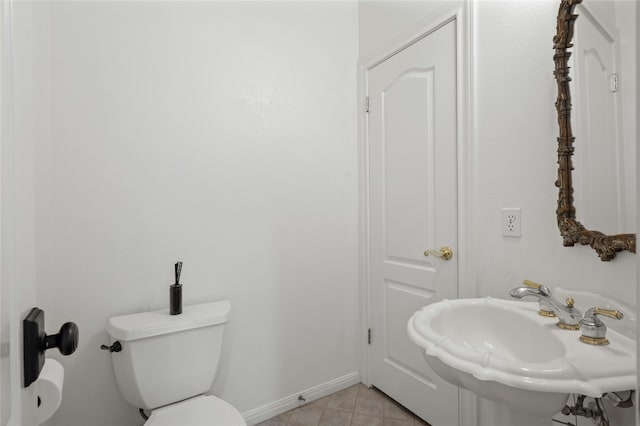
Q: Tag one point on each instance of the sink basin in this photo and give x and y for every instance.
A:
(503, 351)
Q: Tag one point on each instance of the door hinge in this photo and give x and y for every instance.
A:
(369, 336)
(613, 82)
(366, 104)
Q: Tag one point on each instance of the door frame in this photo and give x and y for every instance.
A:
(10, 318)
(462, 12)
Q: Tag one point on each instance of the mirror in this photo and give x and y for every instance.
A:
(602, 190)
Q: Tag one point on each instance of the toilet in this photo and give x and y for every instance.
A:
(165, 363)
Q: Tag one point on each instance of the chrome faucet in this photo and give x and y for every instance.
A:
(568, 316)
(546, 310)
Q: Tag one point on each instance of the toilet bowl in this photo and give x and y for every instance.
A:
(166, 363)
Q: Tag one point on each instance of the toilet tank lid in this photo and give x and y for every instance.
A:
(155, 323)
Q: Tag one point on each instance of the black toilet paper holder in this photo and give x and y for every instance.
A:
(36, 342)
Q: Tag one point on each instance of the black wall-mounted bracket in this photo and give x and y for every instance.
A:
(36, 342)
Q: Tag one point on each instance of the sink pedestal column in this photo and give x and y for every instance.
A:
(500, 413)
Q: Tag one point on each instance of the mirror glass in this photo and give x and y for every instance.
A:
(604, 105)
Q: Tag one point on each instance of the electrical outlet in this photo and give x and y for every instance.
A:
(511, 223)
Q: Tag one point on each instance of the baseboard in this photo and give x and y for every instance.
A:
(287, 403)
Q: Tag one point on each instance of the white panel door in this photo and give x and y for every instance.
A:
(412, 208)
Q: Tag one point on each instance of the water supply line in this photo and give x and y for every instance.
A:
(596, 410)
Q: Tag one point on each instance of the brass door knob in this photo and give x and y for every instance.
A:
(445, 253)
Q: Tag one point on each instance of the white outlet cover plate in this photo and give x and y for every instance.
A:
(511, 222)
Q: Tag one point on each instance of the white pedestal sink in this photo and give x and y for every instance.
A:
(503, 351)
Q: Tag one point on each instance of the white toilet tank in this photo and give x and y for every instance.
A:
(167, 358)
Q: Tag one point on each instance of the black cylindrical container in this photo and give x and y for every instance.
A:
(175, 299)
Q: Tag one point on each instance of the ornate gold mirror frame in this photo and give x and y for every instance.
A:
(571, 230)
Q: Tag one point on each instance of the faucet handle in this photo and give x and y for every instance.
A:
(531, 284)
(594, 331)
(540, 287)
(611, 313)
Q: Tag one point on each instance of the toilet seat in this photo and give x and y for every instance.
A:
(204, 410)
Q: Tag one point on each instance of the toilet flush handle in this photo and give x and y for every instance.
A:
(116, 347)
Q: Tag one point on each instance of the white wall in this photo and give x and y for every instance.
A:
(383, 24)
(515, 147)
(637, 423)
(5, 288)
(219, 134)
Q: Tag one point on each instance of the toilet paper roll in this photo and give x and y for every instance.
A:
(49, 389)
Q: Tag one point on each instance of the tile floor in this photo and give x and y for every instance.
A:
(354, 406)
